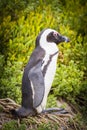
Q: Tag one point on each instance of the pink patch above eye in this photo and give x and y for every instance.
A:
(55, 33)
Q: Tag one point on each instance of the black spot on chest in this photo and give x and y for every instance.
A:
(48, 63)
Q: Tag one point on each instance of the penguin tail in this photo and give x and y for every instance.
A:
(22, 112)
(14, 113)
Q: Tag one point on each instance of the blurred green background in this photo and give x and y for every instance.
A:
(20, 23)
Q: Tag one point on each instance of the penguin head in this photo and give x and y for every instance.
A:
(56, 37)
(47, 36)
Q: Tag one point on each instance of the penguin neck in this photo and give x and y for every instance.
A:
(50, 48)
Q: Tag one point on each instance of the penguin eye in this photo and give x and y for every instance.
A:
(55, 34)
(52, 36)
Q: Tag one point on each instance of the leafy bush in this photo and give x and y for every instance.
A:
(17, 43)
(51, 101)
(2, 61)
(11, 81)
(13, 125)
(67, 81)
(48, 126)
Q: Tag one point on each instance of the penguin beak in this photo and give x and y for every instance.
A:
(65, 39)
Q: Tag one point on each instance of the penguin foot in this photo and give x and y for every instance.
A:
(55, 111)
(22, 112)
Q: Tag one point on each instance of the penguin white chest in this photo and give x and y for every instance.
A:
(49, 69)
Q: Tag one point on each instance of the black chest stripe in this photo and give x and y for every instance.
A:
(46, 66)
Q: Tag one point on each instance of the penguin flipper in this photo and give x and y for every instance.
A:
(37, 84)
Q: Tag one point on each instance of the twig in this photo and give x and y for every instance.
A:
(51, 118)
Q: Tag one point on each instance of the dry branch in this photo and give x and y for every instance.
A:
(61, 119)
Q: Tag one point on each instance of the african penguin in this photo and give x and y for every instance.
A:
(39, 73)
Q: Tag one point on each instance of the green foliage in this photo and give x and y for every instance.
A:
(2, 61)
(12, 125)
(1, 108)
(17, 43)
(68, 80)
(11, 81)
(48, 126)
(51, 101)
(75, 15)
